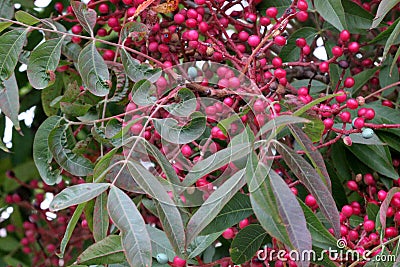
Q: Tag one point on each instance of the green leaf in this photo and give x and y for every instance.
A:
(375, 159)
(290, 52)
(10, 48)
(74, 164)
(7, 9)
(201, 243)
(87, 17)
(321, 237)
(280, 122)
(43, 63)
(93, 70)
(263, 200)
(100, 218)
(313, 155)
(382, 37)
(4, 25)
(316, 86)
(172, 132)
(237, 209)
(333, 12)
(135, 30)
(168, 212)
(77, 194)
(160, 243)
(385, 78)
(390, 139)
(187, 103)
(48, 94)
(384, 7)
(135, 238)
(41, 153)
(9, 100)
(292, 215)
(137, 71)
(362, 78)
(309, 177)
(395, 58)
(246, 243)
(70, 228)
(26, 18)
(372, 211)
(3, 147)
(74, 109)
(315, 129)
(357, 18)
(106, 251)
(143, 93)
(213, 205)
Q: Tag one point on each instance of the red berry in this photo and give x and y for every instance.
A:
(344, 35)
(192, 35)
(345, 116)
(243, 223)
(102, 32)
(347, 210)
(59, 7)
(280, 73)
(163, 48)
(280, 40)
(354, 47)
(352, 103)
(186, 151)
(264, 21)
(337, 51)
(178, 262)
(369, 114)
(358, 123)
(76, 29)
(26, 250)
(387, 103)
(391, 232)
(277, 62)
(127, 2)
(310, 201)
(349, 82)
(302, 16)
(352, 185)
(328, 123)
(302, 91)
(361, 112)
(16, 198)
(109, 55)
(324, 67)
(228, 233)
(306, 50)
(302, 5)
(84, 224)
(203, 27)
(228, 101)
(103, 8)
(344, 230)
(342, 97)
(353, 235)
(192, 13)
(243, 36)
(382, 195)
(369, 226)
(397, 217)
(179, 18)
(253, 40)
(113, 22)
(271, 12)
(369, 179)
(301, 42)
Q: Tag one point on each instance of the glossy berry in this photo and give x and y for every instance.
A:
(310, 201)
(353, 47)
(337, 51)
(301, 42)
(109, 55)
(391, 232)
(59, 7)
(302, 16)
(358, 123)
(382, 195)
(243, 223)
(228, 233)
(369, 114)
(253, 40)
(162, 258)
(271, 12)
(352, 103)
(347, 210)
(113, 22)
(352, 185)
(76, 29)
(344, 35)
(302, 5)
(349, 82)
(280, 73)
(186, 151)
(280, 40)
(103, 8)
(324, 67)
(369, 179)
(303, 91)
(178, 262)
(179, 18)
(328, 123)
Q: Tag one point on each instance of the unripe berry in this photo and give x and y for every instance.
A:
(162, 258)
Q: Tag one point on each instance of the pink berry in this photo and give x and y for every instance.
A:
(228, 101)
(277, 62)
(352, 103)
(243, 223)
(369, 114)
(344, 35)
(179, 18)
(347, 210)
(59, 7)
(243, 36)
(186, 151)
(337, 51)
(369, 179)
(113, 22)
(302, 91)
(280, 73)
(103, 8)
(179, 262)
(358, 123)
(328, 123)
(354, 47)
(302, 16)
(253, 40)
(382, 195)
(369, 225)
(349, 82)
(301, 42)
(302, 5)
(324, 67)
(280, 40)
(271, 12)
(352, 185)
(228, 233)
(310, 201)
